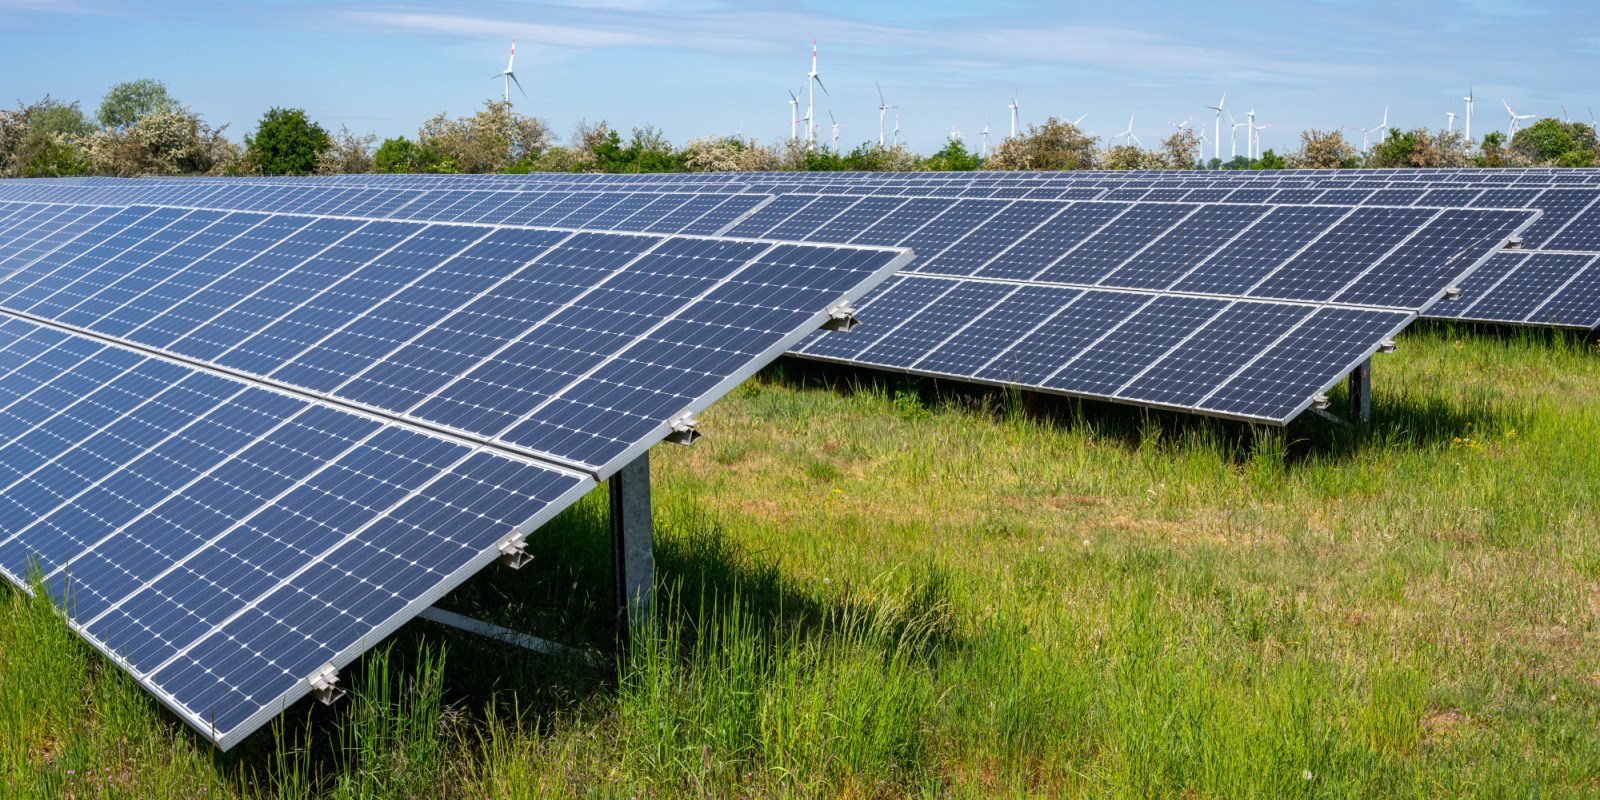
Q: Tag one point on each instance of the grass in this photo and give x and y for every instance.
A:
(873, 586)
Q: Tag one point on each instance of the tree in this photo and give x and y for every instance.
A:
(1181, 150)
(1494, 155)
(51, 155)
(171, 141)
(347, 154)
(1054, 145)
(492, 140)
(1550, 141)
(954, 158)
(126, 102)
(394, 155)
(46, 125)
(1323, 150)
(1270, 160)
(286, 143)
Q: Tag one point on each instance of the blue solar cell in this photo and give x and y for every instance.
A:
(903, 221)
(1434, 259)
(1124, 237)
(955, 223)
(992, 333)
(879, 312)
(1575, 304)
(1560, 206)
(1195, 368)
(1187, 244)
(1324, 348)
(924, 330)
(721, 215)
(813, 216)
(852, 222)
(1133, 345)
(1330, 263)
(983, 242)
(1478, 284)
(1061, 234)
(1533, 283)
(1076, 326)
(771, 215)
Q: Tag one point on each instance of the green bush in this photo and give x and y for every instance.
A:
(286, 143)
(394, 155)
(126, 102)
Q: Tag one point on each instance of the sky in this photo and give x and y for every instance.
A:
(709, 67)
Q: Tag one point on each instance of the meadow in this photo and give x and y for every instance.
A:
(876, 586)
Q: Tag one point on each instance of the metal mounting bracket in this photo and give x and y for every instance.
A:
(1452, 293)
(513, 551)
(841, 318)
(1513, 243)
(684, 430)
(1319, 402)
(1387, 346)
(324, 684)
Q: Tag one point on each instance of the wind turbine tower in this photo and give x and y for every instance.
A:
(794, 114)
(510, 76)
(1013, 108)
(1468, 98)
(1216, 150)
(812, 78)
(883, 105)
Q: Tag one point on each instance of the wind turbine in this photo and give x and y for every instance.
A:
(1216, 150)
(1078, 120)
(1363, 138)
(1233, 138)
(1468, 98)
(883, 105)
(955, 133)
(1452, 116)
(1129, 134)
(794, 113)
(1259, 129)
(1383, 127)
(509, 76)
(1564, 117)
(811, 94)
(987, 143)
(1516, 120)
(1250, 134)
(836, 127)
(896, 129)
(1013, 108)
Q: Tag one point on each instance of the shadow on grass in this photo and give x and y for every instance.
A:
(1398, 419)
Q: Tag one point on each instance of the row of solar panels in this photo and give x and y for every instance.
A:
(241, 448)
(1370, 257)
(1571, 222)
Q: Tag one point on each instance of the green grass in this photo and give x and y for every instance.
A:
(873, 586)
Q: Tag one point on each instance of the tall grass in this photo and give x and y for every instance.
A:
(875, 586)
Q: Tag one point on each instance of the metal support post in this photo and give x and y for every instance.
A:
(632, 549)
(1361, 393)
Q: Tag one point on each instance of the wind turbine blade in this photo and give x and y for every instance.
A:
(818, 79)
(881, 101)
(514, 80)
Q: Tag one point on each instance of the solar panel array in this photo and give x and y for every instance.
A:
(988, 227)
(241, 447)
(1547, 291)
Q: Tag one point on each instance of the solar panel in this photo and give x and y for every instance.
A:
(241, 447)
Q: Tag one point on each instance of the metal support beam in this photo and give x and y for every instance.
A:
(632, 546)
(506, 635)
(1361, 393)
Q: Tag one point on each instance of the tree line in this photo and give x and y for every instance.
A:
(139, 128)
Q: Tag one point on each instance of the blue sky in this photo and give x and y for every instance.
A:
(707, 67)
